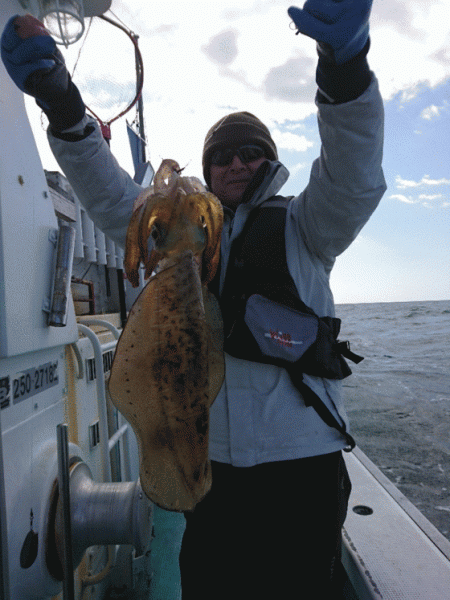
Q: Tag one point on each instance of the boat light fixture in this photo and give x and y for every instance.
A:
(64, 19)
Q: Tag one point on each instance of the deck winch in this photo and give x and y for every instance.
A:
(101, 514)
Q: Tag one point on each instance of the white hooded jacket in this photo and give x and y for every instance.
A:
(259, 416)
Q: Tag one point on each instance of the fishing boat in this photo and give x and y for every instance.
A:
(74, 521)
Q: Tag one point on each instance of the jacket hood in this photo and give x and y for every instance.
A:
(267, 182)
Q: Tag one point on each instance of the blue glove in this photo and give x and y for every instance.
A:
(37, 67)
(23, 57)
(342, 25)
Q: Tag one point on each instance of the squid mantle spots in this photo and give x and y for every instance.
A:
(168, 354)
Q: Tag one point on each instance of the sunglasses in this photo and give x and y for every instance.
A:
(246, 154)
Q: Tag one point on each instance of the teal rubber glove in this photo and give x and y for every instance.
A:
(341, 27)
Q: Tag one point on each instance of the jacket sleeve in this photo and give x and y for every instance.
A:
(347, 181)
(105, 190)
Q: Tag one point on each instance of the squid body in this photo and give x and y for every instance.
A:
(169, 365)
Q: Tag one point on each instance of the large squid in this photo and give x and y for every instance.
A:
(169, 365)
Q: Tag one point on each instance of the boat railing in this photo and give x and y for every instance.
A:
(122, 432)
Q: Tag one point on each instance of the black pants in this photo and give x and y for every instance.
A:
(270, 531)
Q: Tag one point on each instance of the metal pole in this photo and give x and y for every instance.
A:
(4, 565)
(140, 103)
(64, 490)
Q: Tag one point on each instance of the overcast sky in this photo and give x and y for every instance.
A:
(205, 59)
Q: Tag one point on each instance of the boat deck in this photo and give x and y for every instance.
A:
(394, 552)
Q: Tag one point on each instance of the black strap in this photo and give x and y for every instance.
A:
(312, 399)
(344, 349)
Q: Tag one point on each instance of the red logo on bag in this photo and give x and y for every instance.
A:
(282, 339)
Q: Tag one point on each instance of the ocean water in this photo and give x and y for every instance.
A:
(398, 397)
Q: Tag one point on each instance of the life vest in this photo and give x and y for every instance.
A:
(265, 319)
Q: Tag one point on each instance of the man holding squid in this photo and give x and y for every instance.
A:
(271, 525)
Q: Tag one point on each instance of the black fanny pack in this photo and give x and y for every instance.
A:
(269, 332)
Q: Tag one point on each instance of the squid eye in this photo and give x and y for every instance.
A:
(157, 235)
(203, 221)
(155, 232)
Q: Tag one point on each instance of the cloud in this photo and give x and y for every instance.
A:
(410, 42)
(259, 7)
(163, 29)
(432, 111)
(294, 126)
(290, 141)
(430, 196)
(222, 48)
(443, 54)
(396, 14)
(405, 183)
(427, 200)
(240, 76)
(107, 98)
(293, 170)
(426, 180)
(412, 91)
(292, 81)
(402, 198)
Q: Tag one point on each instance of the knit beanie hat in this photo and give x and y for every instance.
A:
(236, 129)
